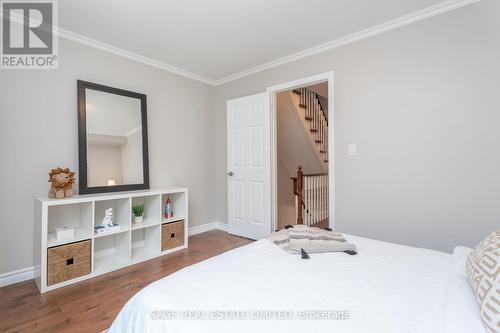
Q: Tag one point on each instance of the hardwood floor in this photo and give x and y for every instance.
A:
(92, 305)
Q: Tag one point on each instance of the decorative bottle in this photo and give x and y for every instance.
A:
(168, 212)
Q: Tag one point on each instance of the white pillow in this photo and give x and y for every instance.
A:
(460, 254)
(483, 271)
(461, 309)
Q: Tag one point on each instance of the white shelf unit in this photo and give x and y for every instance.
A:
(133, 243)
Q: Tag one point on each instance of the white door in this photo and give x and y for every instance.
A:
(249, 166)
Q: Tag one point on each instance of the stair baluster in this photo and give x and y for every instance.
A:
(311, 194)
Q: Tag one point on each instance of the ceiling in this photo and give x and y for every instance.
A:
(218, 38)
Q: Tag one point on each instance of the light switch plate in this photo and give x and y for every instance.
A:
(351, 149)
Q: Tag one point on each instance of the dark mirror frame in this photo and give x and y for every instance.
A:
(82, 139)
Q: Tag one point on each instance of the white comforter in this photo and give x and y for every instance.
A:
(386, 288)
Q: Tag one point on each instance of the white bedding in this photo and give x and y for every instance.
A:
(386, 288)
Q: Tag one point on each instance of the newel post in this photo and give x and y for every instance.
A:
(300, 180)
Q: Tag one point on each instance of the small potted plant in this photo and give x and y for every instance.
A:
(138, 211)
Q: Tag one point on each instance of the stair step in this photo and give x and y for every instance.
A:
(309, 118)
(303, 106)
(326, 161)
(319, 141)
(297, 92)
(323, 151)
(314, 130)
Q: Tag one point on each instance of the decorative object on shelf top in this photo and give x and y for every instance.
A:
(107, 224)
(65, 232)
(111, 182)
(138, 211)
(168, 212)
(62, 180)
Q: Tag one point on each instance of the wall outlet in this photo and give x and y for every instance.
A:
(351, 149)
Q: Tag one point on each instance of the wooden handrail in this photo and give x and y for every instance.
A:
(294, 190)
(312, 175)
(322, 109)
(311, 192)
(300, 180)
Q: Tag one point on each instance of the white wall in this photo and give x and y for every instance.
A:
(422, 104)
(38, 131)
(104, 162)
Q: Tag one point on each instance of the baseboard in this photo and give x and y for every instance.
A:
(17, 276)
(29, 273)
(207, 227)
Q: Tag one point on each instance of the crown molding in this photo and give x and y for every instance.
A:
(133, 130)
(73, 36)
(130, 55)
(399, 22)
(438, 9)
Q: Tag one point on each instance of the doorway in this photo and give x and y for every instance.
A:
(253, 160)
(302, 156)
(303, 188)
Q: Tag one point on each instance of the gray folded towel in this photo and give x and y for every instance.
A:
(311, 240)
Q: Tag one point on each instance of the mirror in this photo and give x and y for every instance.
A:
(112, 137)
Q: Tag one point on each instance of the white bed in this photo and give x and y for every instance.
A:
(386, 288)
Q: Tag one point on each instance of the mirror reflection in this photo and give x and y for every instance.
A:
(114, 139)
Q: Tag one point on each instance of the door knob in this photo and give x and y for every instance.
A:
(230, 173)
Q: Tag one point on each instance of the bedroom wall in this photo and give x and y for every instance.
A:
(421, 102)
(38, 131)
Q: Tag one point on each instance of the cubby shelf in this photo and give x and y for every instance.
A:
(173, 219)
(111, 233)
(133, 243)
(147, 223)
(146, 243)
(80, 234)
(108, 263)
(137, 226)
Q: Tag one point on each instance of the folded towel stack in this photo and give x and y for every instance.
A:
(311, 240)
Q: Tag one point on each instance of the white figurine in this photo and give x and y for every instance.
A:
(107, 221)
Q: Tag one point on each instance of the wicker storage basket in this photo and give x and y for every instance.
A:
(68, 261)
(172, 235)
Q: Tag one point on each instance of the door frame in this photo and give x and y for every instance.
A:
(273, 91)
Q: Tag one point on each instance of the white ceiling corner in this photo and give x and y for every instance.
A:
(200, 41)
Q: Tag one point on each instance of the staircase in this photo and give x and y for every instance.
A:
(316, 120)
(311, 190)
